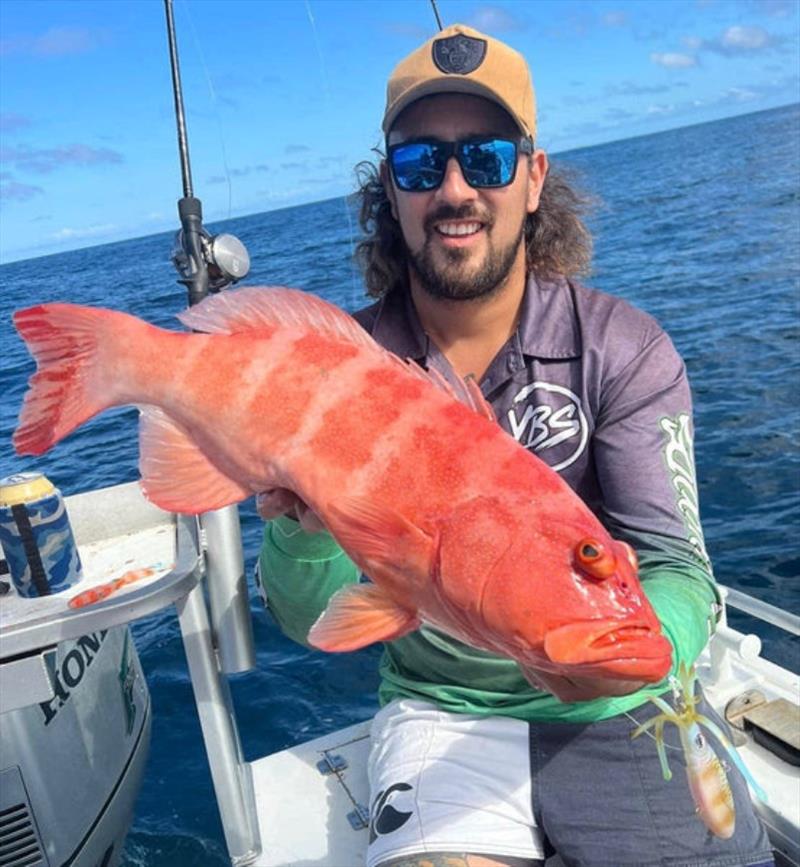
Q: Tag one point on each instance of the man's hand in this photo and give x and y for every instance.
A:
(281, 501)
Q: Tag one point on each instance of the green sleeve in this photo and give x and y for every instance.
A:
(686, 600)
(299, 573)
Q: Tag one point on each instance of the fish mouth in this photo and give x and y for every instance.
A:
(628, 650)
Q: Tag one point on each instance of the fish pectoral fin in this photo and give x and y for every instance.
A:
(395, 551)
(176, 475)
(358, 615)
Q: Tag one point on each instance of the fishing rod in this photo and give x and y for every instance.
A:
(205, 263)
(436, 13)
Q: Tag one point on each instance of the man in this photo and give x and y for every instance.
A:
(472, 249)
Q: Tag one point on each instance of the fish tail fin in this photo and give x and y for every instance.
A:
(70, 384)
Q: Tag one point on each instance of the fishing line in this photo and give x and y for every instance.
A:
(215, 105)
(650, 734)
(327, 96)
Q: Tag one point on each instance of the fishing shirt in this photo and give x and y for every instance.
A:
(595, 388)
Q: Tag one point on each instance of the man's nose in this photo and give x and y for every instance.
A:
(454, 189)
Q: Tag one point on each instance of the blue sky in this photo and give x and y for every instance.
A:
(283, 97)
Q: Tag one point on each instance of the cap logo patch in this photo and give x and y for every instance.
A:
(459, 54)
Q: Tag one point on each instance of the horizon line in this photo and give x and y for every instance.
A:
(559, 153)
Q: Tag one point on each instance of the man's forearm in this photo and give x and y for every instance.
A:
(299, 573)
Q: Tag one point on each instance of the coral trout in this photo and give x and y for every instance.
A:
(455, 523)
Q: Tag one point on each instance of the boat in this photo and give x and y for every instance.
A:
(307, 805)
(74, 704)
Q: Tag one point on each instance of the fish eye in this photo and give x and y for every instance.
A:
(595, 559)
(699, 741)
(589, 551)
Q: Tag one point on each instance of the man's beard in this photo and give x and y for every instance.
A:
(452, 280)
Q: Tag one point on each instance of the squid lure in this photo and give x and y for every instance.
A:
(708, 781)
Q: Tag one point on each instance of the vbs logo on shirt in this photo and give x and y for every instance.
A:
(543, 427)
(679, 455)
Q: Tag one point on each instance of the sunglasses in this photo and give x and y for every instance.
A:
(419, 166)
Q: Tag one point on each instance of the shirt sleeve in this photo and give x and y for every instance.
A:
(298, 573)
(644, 458)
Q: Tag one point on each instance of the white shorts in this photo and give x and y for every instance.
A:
(443, 782)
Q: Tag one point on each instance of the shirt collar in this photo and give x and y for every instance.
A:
(548, 323)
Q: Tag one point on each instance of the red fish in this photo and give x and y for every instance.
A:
(457, 525)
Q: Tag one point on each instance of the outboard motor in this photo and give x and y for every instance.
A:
(71, 765)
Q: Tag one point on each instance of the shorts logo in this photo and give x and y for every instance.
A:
(540, 428)
(385, 818)
(459, 54)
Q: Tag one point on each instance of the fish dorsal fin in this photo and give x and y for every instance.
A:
(466, 391)
(476, 399)
(256, 308)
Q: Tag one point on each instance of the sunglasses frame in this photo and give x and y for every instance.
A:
(524, 145)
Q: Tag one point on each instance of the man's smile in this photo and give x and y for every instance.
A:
(458, 233)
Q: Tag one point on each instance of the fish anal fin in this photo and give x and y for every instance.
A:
(176, 475)
(394, 550)
(358, 615)
(259, 308)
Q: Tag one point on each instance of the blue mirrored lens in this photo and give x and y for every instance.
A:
(418, 166)
(488, 163)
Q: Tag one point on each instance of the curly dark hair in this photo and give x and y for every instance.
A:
(556, 240)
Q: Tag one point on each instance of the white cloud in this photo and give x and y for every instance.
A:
(744, 38)
(614, 18)
(10, 122)
(11, 189)
(45, 160)
(660, 109)
(67, 234)
(774, 8)
(55, 42)
(495, 19)
(673, 60)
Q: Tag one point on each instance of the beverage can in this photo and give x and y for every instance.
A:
(36, 536)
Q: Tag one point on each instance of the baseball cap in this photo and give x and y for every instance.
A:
(460, 59)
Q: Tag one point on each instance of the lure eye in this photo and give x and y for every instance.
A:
(594, 559)
(699, 741)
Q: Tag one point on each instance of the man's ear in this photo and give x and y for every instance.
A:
(386, 180)
(537, 172)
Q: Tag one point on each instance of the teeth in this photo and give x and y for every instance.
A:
(458, 228)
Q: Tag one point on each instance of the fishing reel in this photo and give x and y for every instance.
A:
(224, 258)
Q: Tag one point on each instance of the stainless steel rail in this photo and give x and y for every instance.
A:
(762, 610)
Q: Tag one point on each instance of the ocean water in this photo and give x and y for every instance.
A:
(699, 226)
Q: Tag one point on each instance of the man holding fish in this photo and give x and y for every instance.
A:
(502, 451)
(497, 747)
